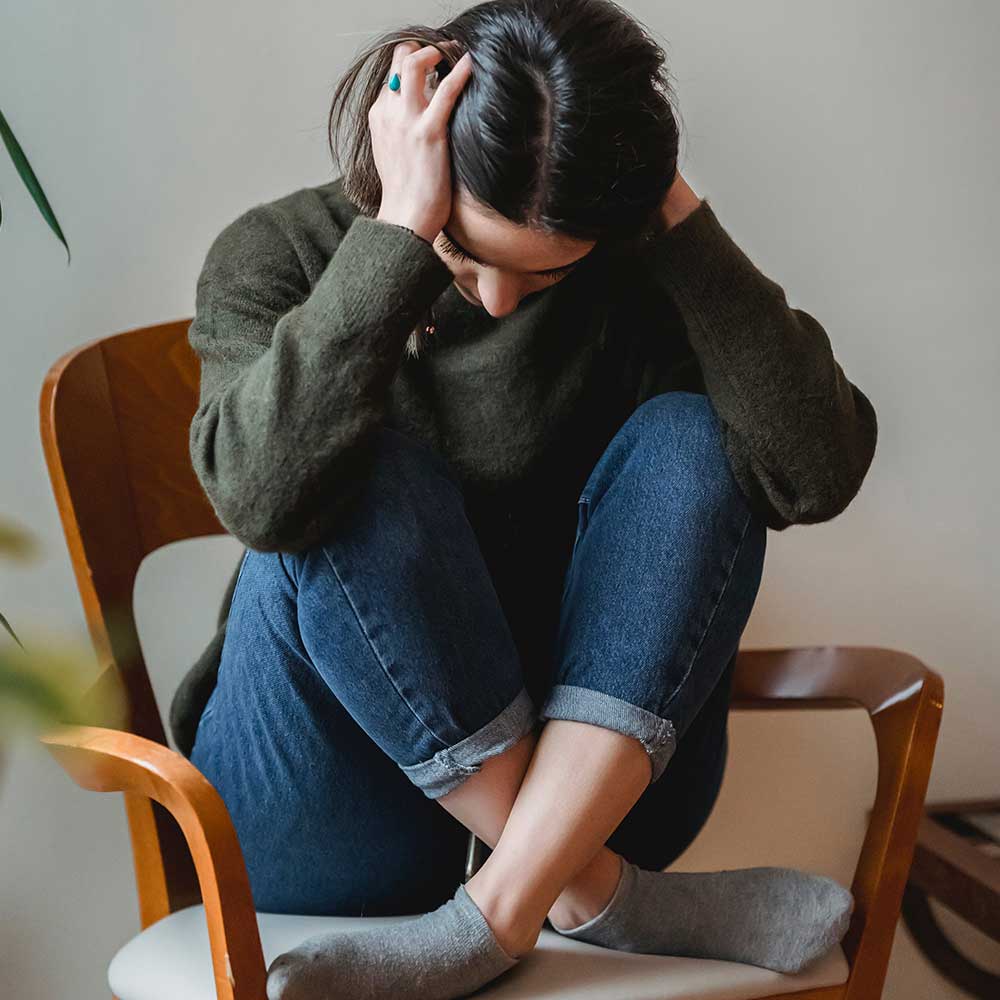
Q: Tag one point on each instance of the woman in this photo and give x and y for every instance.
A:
(502, 416)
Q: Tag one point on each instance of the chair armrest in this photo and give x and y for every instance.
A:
(904, 699)
(829, 676)
(108, 760)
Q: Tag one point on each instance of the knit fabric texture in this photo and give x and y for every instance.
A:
(303, 309)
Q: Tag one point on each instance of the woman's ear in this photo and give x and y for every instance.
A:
(622, 247)
(654, 226)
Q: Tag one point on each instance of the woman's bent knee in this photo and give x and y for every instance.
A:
(679, 437)
(398, 615)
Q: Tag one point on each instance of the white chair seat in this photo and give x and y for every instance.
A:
(171, 960)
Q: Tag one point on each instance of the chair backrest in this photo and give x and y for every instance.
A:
(115, 418)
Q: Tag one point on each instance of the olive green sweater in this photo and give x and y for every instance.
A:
(303, 309)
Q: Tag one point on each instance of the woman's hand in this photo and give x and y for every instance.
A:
(678, 203)
(409, 136)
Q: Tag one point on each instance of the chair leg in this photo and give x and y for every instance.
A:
(473, 857)
(942, 954)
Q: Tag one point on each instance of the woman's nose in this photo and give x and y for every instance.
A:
(499, 298)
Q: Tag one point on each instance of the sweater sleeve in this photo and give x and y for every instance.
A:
(799, 435)
(294, 380)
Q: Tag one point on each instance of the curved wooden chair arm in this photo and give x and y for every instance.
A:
(796, 677)
(108, 760)
(904, 699)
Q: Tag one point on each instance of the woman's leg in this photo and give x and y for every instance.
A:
(360, 681)
(672, 810)
(664, 572)
(327, 823)
(657, 829)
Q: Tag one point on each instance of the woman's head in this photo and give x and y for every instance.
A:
(563, 137)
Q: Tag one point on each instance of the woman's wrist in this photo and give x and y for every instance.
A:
(415, 225)
(679, 202)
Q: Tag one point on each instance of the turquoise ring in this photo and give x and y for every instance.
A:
(394, 82)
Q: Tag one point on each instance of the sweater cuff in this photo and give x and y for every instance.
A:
(699, 264)
(400, 266)
(378, 284)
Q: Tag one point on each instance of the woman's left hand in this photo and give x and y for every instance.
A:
(679, 202)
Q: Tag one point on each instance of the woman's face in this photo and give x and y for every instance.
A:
(497, 263)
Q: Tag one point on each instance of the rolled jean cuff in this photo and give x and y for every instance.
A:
(448, 768)
(576, 704)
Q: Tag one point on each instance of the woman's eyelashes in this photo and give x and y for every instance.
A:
(453, 251)
(457, 252)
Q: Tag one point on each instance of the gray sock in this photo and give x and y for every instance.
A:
(778, 918)
(447, 953)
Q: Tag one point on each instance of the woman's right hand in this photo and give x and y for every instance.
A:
(409, 136)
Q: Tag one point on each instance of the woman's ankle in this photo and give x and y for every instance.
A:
(588, 893)
(513, 918)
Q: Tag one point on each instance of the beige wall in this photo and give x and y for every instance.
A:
(851, 149)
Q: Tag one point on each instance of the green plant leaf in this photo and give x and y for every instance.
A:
(31, 181)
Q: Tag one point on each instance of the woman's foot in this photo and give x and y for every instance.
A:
(516, 909)
(512, 912)
(447, 953)
(777, 918)
(589, 892)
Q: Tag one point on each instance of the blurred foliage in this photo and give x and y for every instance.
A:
(53, 683)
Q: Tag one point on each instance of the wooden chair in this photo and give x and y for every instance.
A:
(115, 415)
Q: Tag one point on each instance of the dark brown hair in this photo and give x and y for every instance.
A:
(566, 124)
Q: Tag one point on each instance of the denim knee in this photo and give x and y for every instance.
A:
(678, 441)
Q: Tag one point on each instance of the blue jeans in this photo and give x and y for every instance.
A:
(367, 676)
